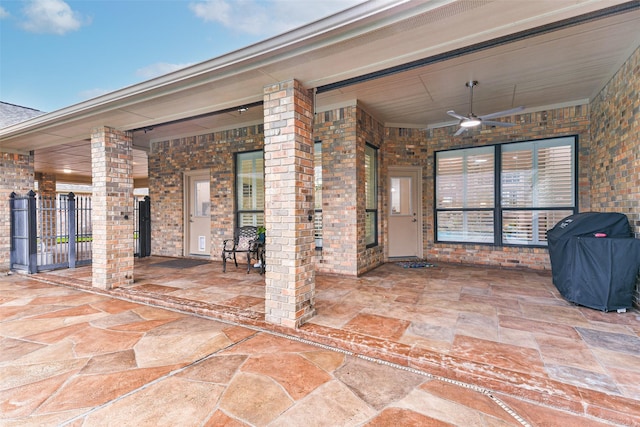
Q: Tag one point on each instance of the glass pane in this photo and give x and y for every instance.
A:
(370, 228)
(250, 218)
(370, 185)
(547, 220)
(468, 226)
(317, 228)
(517, 178)
(401, 196)
(317, 197)
(371, 195)
(449, 182)
(538, 173)
(202, 198)
(517, 227)
(250, 181)
(529, 227)
(465, 178)
(317, 175)
(555, 176)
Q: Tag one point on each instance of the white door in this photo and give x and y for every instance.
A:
(198, 213)
(405, 212)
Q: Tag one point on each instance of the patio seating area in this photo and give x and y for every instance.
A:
(507, 331)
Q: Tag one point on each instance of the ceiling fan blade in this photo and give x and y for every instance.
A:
(502, 124)
(456, 115)
(460, 131)
(501, 113)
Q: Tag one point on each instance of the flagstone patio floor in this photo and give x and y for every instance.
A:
(445, 345)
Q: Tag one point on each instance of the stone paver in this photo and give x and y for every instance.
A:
(70, 357)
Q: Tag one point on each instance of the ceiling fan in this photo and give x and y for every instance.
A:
(471, 120)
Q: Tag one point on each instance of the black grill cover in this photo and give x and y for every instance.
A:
(596, 272)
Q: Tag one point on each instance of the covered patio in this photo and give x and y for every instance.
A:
(508, 331)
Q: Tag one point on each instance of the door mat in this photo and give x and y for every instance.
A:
(181, 263)
(415, 264)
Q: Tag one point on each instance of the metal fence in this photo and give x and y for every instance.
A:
(142, 221)
(51, 232)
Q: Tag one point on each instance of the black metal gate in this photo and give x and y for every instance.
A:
(23, 225)
(49, 232)
(142, 217)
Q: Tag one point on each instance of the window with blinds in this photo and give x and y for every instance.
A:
(371, 195)
(465, 195)
(317, 197)
(537, 181)
(250, 188)
(513, 201)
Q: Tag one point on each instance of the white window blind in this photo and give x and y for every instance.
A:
(317, 196)
(537, 190)
(371, 195)
(536, 175)
(464, 182)
(250, 188)
(465, 178)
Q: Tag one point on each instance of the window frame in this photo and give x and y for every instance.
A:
(239, 212)
(374, 153)
(498, 209)
(317, 195)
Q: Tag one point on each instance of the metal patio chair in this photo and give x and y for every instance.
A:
(245, 240)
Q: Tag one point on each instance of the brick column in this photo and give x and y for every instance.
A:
(48, 224)
(46, 184)
(17, 176)
(288, 168)
(112, 207)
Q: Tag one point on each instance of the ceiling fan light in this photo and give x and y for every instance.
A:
(471, 122)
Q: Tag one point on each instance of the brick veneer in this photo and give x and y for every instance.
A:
(615, 159)
(168, 160)
(336, 129)
(288, 161)
(112, 207)
(344, 132)
(369, 131)
(46, 183)
(17, 176)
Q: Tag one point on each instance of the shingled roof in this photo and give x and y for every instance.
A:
(11, 114)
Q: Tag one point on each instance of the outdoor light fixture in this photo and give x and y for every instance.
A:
(243, 109)
(471, 121)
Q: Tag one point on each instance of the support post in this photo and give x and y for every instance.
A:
(112, 207)
(290, 247)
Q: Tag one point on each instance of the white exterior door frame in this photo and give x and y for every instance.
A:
(405, 234)
(197, 213)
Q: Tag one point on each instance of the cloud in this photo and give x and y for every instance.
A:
(3, 13)
(266, 17)
(159, 69)
(51, 16)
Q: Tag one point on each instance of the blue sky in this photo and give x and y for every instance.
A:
(55, 53)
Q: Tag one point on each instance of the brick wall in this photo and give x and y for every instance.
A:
(168, 160)
(17, 176)
(615, 159)
(112, 207)
(337, 131)
(412, 147)
(289, 169)
(369, 131)
(344, 132)
(46, 183)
